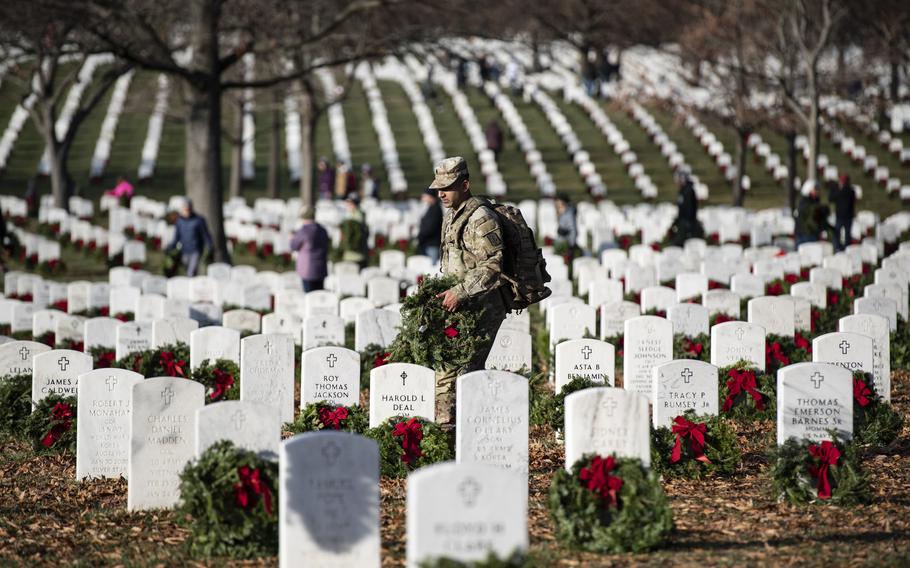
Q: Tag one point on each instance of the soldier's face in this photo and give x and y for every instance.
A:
(454, 196)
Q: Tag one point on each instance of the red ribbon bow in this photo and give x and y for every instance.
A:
(694, 348)
(451, 332)
(252, 485)
(61, 420)
(172, 366)
(861, 392)
(802, 343)
(773, 352)
(742, 381)
(684, 428)
(381, 359)
(597, 478)
(105, 360)
(827, 454)
(332, 418)
(411, 433)
(223, 382)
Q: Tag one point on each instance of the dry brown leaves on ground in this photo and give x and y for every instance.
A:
(48, 519)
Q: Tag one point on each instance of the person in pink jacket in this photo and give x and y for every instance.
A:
(122, 189)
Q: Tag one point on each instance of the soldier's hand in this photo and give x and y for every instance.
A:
(449, 300)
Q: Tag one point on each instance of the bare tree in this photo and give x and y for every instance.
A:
(723, 45)
(200, 41)
(804, 30)
(52, 52)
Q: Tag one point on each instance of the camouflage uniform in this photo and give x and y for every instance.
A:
(472, 249)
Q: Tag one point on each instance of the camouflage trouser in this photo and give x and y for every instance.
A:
(445, 379)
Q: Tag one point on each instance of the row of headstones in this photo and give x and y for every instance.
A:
(147, 430)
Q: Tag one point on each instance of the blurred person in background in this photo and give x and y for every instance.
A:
(311, 241)
(429, 234)
(191, 235)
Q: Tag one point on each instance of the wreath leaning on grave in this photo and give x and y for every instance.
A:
(406, 444)
(431, 336)
(371, 357)
(875, 421)
(609, 505)
(15, 402)
(697, 347)
(166, 361)
(747, 393)
(229, 502)
(695, 446)
(547, 408)
(818, 472)
(221, 379)
(102, 357)
(52, 425)
(326, 416)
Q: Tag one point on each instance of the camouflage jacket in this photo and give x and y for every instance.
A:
(472, 246)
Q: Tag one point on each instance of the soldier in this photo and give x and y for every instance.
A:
(472, 249)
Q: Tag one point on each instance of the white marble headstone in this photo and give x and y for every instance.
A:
(681, 385)
(329, 501)
(813, 398)
(57, 372)
(162, 439)
(251, 426)
(647, 341)
(445, 498)
(733, 341)
(103, 418)
(606, 421)
(402, 389)
(585, 358)
(267, 372)
(330, 374)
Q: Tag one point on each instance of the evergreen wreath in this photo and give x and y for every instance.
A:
(15, 402)
(373, 356)
(695, 446)
(609, 505)
(818, 472)
(48, 338)
(221, 379)
(781, 351)
(432, 337)
(618, 343)
(747, 393)
(229, 501)
(517, 559)
(326, 416)
(52, 425)
(166, 361)
(102, 357)
(697, 347)
(406, 444)
(875, 421)
(547, 408)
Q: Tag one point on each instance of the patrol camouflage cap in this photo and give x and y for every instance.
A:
(448, 171)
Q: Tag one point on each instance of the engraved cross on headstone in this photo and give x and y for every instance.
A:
(331, 360)
(686, 374)
(63, 362)
(330, 452)
(844, 346)
(404, 376)
(167, 394)
(111, 382)
(817, 379)
(268, 346)
(740, 331)
(24, 353)
(238, 418)
(609, 406)
(468, 491)
(495, 387)
(586, 352)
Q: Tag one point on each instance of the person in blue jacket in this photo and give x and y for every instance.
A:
(191, 234)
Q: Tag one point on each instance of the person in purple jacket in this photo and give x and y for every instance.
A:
(311, 241)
